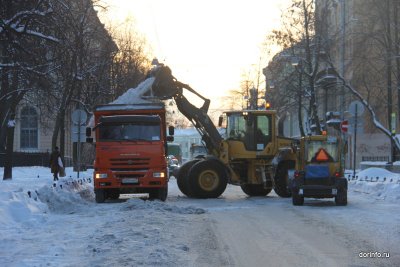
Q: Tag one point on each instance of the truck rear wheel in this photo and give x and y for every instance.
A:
(99, 195)
(207, 179)
(341, 197)
(182, 177)
(255, 190)
(281, 180)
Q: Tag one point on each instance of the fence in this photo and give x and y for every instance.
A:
(21, 159)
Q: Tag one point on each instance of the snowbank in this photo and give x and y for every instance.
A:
(378, 183)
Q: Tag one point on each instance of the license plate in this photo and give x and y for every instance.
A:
(334, 191)
(130, 180)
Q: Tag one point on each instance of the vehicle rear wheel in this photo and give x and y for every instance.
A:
(207, 179)
(281, 181)
(255, 190)
(182, 177)
(297, 199)
(341, 197)
(99, 195)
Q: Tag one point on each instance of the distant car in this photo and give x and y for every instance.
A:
(175, 150)
(173, 165)
(198, 151)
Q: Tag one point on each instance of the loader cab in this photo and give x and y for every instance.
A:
(253, 128)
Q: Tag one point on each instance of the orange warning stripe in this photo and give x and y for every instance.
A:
(322, 155)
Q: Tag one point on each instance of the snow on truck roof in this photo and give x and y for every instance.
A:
(140, 97)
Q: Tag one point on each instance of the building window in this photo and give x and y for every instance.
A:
(29, 128)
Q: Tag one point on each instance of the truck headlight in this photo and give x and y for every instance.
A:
(101, 175)
(159, 174)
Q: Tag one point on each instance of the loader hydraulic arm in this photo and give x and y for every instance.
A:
(165, 86)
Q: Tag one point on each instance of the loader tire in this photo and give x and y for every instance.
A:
(207, 179)
(281, 181)
(255, 190)
(182, 177)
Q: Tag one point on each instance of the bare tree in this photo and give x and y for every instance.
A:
(25, 38)
(298, 36)
(131, 63)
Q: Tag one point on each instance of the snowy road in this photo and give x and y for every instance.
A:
(66, 228)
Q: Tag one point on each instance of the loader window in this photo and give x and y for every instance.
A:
(253, 130)
(236, 127)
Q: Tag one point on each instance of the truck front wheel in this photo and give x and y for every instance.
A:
(162, 193)
(207, 179)
(99, 195)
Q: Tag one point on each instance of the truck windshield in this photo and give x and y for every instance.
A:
(130, 132)
(321, 151)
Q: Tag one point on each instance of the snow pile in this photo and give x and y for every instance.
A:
(66, 197)
(137, 95)
(379, 183)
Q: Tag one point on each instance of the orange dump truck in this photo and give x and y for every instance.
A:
(130, 151)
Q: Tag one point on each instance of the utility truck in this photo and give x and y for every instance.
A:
(319, 171)
(130, 150)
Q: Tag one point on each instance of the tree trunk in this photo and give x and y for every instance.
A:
(300, 91)
(8, 161)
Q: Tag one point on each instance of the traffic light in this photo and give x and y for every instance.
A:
(267, 105)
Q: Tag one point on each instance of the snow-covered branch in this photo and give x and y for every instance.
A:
(375, 120)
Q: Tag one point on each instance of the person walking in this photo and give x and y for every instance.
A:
(56, 163)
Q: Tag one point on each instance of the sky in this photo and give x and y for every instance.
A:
(208, 44)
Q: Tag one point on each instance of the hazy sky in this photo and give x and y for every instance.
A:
(207, 43)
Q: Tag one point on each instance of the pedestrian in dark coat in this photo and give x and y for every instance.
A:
(55, 163)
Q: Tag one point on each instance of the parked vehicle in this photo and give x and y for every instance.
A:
(173, 165)
(198, 151)
(175, 150)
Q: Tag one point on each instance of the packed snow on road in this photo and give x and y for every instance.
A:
(46, 223)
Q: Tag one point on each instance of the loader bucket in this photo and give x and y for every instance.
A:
(165, 85)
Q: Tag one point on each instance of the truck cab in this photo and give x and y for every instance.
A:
(319, 171)
(130, 151)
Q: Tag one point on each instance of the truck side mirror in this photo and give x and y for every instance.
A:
(89, 139)
(88, 132)
(220, 120)
(170, 138)
(171, 130)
